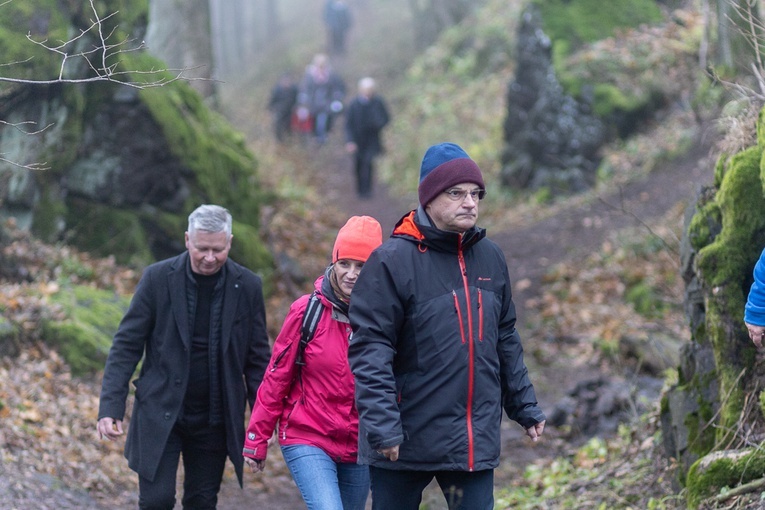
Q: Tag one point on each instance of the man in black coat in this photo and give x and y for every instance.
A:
(365, 118)
(198, 322)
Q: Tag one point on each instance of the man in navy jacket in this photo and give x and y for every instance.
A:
(434, 348)
(198, 322)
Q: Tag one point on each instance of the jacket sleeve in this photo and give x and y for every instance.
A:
(754, 311)
(518, 397)
(376, 314)
(127, 349)
(259, 347)
(276, 385)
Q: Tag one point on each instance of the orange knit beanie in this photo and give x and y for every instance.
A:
(356, 240)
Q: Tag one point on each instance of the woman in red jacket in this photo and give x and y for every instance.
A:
(313, 404)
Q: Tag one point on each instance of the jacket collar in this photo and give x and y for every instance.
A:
(180, 272)
(417, 226)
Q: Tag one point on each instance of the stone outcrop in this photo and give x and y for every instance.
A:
(551, 138)
(716, 403)
(123, 166)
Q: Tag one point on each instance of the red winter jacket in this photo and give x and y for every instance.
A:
(318, 409)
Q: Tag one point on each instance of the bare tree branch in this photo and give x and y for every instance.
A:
(98, 57)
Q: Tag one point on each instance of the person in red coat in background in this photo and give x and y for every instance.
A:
(313, 404)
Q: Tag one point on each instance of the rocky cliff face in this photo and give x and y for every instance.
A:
(123, 166)
(551, 139)
(717, 404)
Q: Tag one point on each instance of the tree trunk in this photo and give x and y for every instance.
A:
(739, 34)
(179, 34)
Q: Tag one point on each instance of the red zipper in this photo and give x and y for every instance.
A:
(471, 355)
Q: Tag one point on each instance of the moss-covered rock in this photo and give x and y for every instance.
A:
(725, 237)
(125, 165)
(91, 320)
(586, 21)
(723, 469)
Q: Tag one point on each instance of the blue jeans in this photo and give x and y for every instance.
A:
(324, 483)
(402, 490)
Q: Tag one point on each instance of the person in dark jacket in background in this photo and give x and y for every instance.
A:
(281, 104)
(435, 351)
(338, 20)
(365, 118)
(198, 321)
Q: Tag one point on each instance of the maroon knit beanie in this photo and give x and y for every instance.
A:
(443, 166)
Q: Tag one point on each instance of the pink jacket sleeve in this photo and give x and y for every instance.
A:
(276, 385)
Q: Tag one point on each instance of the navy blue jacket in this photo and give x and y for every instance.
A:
(435, 351)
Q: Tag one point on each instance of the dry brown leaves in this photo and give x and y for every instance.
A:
(49, 422)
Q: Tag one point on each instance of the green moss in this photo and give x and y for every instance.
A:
(644, 300)
(729, 257)
(591, 20)
(17, 20)
(609, 98)
(707, 476)
(204, 141)
(248, 249)
(49, 215)
(85, 335)
(108, 231)
(701, 435)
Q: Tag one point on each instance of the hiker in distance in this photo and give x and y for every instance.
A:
(435, 350)
(308, 388)
(198, 322)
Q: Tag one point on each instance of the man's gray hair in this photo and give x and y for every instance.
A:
(210, 218)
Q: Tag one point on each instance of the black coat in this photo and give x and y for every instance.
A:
(156, 328)
(435, 351)
(364, 119)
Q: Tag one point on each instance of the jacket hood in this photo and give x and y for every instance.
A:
(417, 227)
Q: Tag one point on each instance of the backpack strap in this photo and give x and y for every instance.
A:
(311, 318)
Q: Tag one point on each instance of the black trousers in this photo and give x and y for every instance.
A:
(204, 458)
(364, 171)
(402, 490)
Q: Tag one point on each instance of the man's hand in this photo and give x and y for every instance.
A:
(535, 432)
(109, 428)
(256, 465)
(390, 453)
(756, 333)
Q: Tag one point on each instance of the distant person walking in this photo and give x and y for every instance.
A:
(281, 105)
(365, 118)
(321, 95)
(307, 394)
(337, 18)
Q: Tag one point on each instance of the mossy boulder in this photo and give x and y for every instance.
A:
(125, 164)
(718, 374)
(623, 85)
(723, 469)
(91, 318)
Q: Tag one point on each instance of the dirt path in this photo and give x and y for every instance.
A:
(569, 235)
(531, 249)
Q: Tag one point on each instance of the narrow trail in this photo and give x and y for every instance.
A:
(569, 235)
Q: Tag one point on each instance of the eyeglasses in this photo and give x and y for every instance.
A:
(458, 195)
